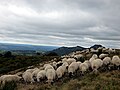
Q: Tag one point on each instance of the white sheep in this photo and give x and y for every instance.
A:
(116, 61)
(110, 50)
(64, 60)
(91, 59)
(51, 75)
(94, 56)
(93, 50)
(45, 65)
(70, 60)
(48, 66)
(8, 78)
(87, 51)
(65, 64)
(65, 56)
(31, 70)
(27, 76)
(84, 66)
(106, 60)
(72, 68)
(54, 64)
(106, 63)
(34, 73)
(78, 56)
(41, 75)
(103, 55)
(79, 62)
(88, 63)
(100, 48)
(105, 50)
(95, 64)
(78, 52)
(61, 70)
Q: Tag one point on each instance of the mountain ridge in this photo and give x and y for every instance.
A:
(66, 50)
(9, 46)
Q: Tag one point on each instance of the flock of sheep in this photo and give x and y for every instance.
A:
(68, 64)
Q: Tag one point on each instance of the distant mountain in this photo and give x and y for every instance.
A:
(7, 46)
(66, 50)
(96, 46)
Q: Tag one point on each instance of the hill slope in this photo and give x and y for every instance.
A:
(96, 46)
(6, 46)
(66, 50)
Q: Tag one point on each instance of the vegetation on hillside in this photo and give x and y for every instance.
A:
(105, 80)
(9, 62)
(102, 81)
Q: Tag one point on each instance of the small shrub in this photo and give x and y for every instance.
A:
(9, 86)
(98, 87)
(8, 54)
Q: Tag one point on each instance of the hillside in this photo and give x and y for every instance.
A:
(103, 80)
(96, 46)
(66, 50)
(8, 46)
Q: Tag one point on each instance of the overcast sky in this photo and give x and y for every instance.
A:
(60, 22)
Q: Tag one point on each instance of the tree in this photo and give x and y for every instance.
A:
(51, 54)
(1, 55)
(8, 54)
(38, 53)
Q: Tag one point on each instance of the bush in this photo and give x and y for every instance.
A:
(8, 54)
(51, 54)
(9, 86)
(19, 61)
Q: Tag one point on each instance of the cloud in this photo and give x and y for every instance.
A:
(60, 22)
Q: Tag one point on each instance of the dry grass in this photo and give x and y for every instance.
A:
(103, 81)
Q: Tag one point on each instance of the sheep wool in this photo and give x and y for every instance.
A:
(103, 55)
(106, 60)
(88, 63)
(96, 64)
(35, 72)
(50, 74)
(73, 67)
(83, 67)
(64, 60)
(27, 76)
(31, 70)
(70, 60)
(78, 56)
(94, 56)
(54, 64)
(79, 62)
(116, 60)
(41, 75)
(61, 70)
(8, 78)
(48, 67)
